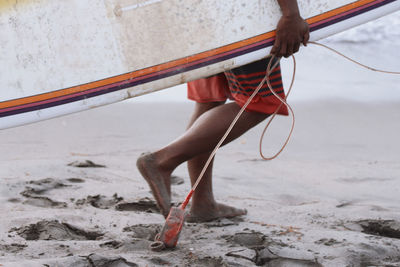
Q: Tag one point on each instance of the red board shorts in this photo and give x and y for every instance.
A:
(238, 84)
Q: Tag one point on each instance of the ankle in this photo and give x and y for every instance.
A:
(158, 159)
(166, 160)
(203, 203)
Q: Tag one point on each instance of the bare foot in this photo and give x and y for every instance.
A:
(213, 212)
(157, 180)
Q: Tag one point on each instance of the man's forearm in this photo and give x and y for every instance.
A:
(289, 7)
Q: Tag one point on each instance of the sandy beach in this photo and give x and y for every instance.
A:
(72, 196)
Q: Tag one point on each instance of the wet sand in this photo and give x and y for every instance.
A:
(72, 196)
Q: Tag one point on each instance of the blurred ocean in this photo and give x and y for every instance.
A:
(324, 75)
(385, 29)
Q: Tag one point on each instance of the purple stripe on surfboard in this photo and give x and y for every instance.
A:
(112, 88)
(152, 77)
(179, 69)
(353, 11)
(349, 14)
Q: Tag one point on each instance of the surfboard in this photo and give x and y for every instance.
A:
(60, 57)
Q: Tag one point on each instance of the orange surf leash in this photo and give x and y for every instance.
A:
(169, 235)
(283, 101)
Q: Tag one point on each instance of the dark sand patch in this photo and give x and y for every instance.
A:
(176, 180)
(144, 231)
(259, 256)
(195, 261)
(12, 248)
(345, 204)
(93, 260)
(143, 205)
(364, 259)
(384, 228)
(160, 261)
(129, 245)
(54, 230)
(363, 180)
(281, 262)
(380, 228)
(43, 202)
(257, 250)
(52, 183)
(35, 189)
(246, 254)
(355, 203)
(39, 187)
(246, 239)
(85, 164)
(263, 256)
(328, 242)
(100, 201)
(112, 244)
(100, 261)
(76, 180)
(14, 200)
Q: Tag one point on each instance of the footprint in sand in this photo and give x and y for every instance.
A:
(39, 187)
(43, 202)
(104, 202)
(34, 191)
(86, 164)
(100, 201)
(100, 261)
(263, 256)
(257, 251)
(382, 228)
(54, 230)
(93, 260)
(143, 231)
(76, 180)
(206, 262)
(112, 244)
(247, 239)
(143, 205)
(12, 248)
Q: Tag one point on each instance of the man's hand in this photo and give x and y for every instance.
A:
(291, 32)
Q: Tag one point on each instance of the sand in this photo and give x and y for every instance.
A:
(72, 196)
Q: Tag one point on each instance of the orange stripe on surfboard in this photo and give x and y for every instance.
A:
(172, 64)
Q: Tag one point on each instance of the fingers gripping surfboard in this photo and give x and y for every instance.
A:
(60, 57)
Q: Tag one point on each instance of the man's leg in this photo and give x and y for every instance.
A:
(199, 139)
(159, 182)
(203, 197)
